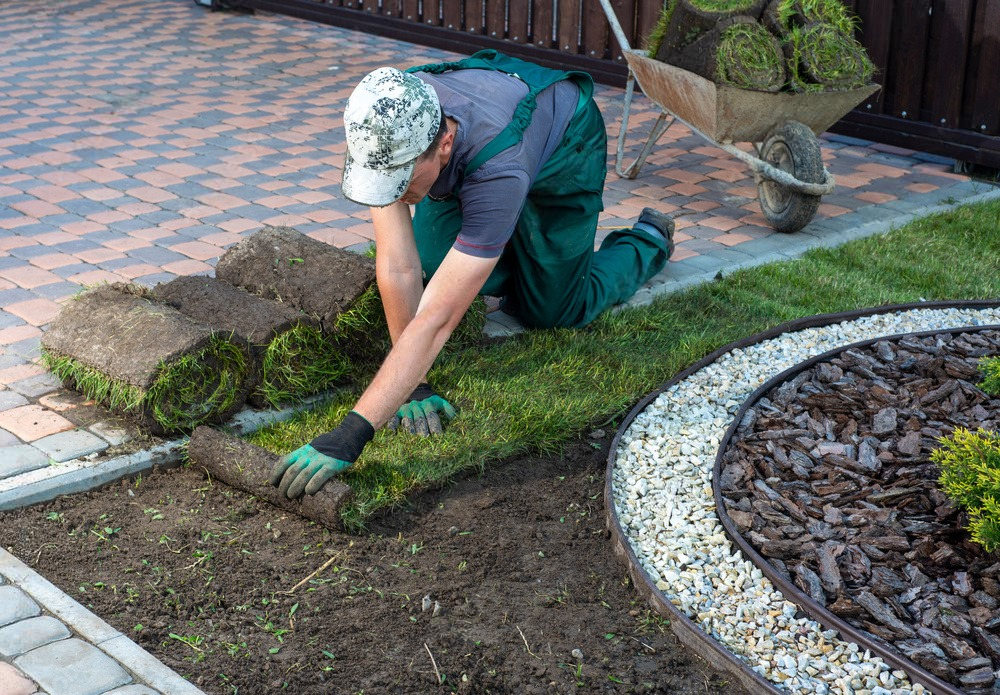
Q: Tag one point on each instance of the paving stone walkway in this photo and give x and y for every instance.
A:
(141, 138)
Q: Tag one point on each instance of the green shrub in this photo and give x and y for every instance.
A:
(970, 476)
(990, 367)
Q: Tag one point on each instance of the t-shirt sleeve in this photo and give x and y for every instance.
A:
(491, 203)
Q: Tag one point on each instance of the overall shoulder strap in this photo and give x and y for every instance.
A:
(536, 77)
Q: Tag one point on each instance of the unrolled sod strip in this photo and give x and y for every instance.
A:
(246, 467)
(146, 360)
(293, 357)
(663, 498)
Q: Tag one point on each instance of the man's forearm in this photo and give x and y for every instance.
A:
(400, 293)
(406, 366)
(397, 266)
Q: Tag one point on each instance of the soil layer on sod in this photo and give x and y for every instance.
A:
(146, 360)
(283, 264)
(691, 19)
(246, 467)
(292, 358)
(210, 580)
(737, 51)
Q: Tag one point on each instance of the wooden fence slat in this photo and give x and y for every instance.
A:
(518, 27)
(625, 11)
(542, 23)
(647, 14)
(472, 17)
(594, 31)
(411, 10)
(432, 12)
(876, 22)
(984, 86)
(568, 26)
(452, 12)
(496, 17)
(370, 6)
(946, 60)
(910, 29)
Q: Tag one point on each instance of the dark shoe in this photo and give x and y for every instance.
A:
(650, 219)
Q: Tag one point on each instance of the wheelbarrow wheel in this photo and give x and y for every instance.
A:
(793, 148)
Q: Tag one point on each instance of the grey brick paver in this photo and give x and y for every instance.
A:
(16, 605)
(21, 458)
(72, 667)
(66, 446)
(25, 635)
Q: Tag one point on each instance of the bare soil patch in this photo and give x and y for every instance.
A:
(499, 578)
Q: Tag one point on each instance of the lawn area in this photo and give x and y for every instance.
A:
(538, 390)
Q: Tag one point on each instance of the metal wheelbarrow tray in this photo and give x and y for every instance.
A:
(787, 161)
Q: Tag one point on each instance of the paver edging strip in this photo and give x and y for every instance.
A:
(812, 608)
(140, 663)
(686, 630)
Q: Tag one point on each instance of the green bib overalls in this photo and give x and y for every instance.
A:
(549, 271)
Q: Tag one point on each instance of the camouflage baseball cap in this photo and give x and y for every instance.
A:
(390, 120)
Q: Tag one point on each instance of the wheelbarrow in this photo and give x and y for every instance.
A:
(782, 127)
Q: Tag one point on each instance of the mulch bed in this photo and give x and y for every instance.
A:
(829, 477)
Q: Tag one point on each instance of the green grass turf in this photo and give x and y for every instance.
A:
(535, 392)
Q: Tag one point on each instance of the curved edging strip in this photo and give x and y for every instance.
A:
(685, 629)
(813, 608)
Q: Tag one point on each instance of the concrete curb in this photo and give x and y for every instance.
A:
(92, 629)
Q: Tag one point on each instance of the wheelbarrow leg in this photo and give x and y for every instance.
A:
(659, 128)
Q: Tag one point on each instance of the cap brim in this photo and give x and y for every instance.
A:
(375, 187)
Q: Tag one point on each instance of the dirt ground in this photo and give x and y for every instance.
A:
(504, 583)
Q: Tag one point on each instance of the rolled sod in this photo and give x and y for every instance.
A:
(292, 356)
(820, 57)
(781, 16)
(247, 467)
(739, 51)
(335, 286)
(284, 265)
(146, 360)
(691, 19)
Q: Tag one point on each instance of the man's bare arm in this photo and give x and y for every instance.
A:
(397, 266)
(447, 297)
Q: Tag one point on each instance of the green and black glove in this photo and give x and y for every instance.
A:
(421, 414)
(309, 467)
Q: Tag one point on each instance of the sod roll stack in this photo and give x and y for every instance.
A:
(292, 357)
(143, 359)
(334, 286)
(767, 45)
(246, 467)
(285, 265)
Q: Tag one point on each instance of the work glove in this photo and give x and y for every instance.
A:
(309, 467)
(421, 414)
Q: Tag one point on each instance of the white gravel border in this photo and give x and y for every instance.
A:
(661, 487)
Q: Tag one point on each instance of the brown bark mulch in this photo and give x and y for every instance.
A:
(829, 477)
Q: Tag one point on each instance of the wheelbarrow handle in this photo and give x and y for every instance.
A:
(616, 27)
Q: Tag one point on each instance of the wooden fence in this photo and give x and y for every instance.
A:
(938, 60)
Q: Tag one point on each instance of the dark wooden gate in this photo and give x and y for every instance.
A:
(938, 60)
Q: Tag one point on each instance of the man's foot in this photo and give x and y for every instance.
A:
(658, 224)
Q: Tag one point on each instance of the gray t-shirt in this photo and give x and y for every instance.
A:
(491, 198)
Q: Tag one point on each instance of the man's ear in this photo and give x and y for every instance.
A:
(446, 144)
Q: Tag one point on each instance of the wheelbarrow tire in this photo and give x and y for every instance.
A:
(793, 148)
